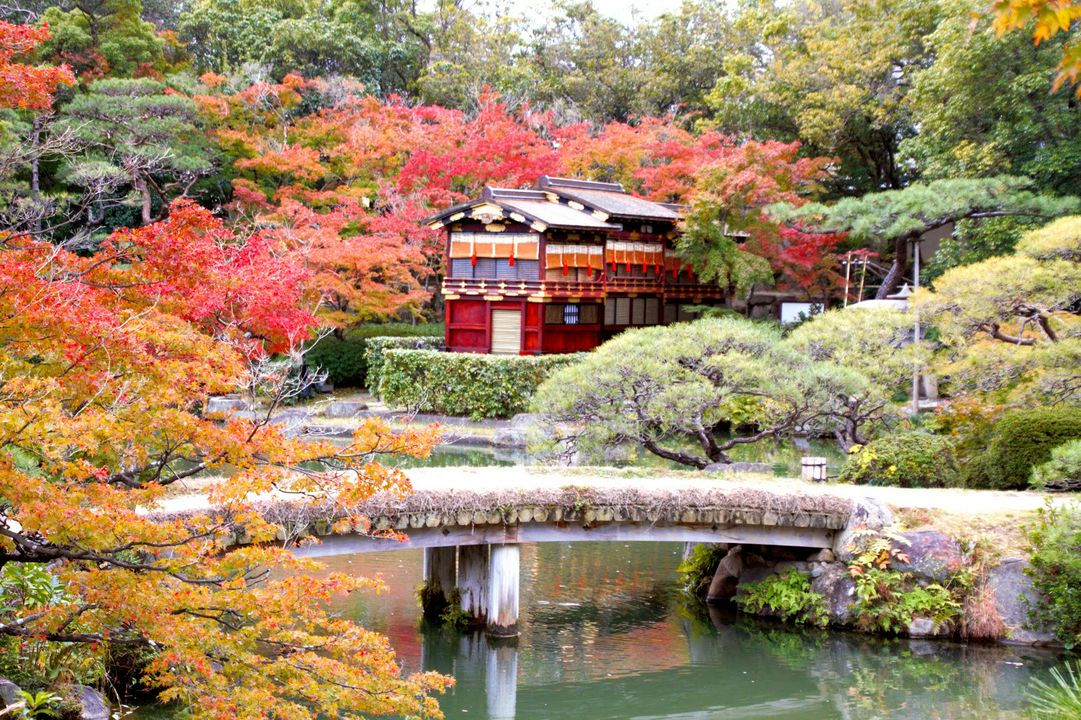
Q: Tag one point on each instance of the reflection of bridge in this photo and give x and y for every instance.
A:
(471, 538)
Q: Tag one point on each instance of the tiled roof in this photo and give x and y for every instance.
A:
(610, 198)
(550, 203)
(557, 214)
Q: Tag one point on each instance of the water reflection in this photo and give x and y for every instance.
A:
(604, 635)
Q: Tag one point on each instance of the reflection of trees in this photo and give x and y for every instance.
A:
(864, 677)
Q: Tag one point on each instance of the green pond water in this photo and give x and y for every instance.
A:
(783, 455)
(605, 635)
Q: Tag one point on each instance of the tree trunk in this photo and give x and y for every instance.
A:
(897, 270)
(144, 192)
(35, 173)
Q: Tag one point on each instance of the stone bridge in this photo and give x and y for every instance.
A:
(471, 537)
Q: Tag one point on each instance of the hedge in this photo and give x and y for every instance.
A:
(915, 459)
(377, 347)
(1019, 441)
(480, 386)
(343, 359)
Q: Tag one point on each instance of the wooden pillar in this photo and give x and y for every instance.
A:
(473, 582)
(440, 578)
(501, 679)
(503, 571)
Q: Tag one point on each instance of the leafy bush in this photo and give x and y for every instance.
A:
(1062, 471)
(788, 596)
(697, 569)
(1020, 441)
(377, 346)
(915, 459)
(888, 601)
(1055, 542)
(480, 386)
(344, 358)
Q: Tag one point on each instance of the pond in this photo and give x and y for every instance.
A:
(782, 455)
(606, 635)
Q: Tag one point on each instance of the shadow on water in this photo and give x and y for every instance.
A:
(606, 635)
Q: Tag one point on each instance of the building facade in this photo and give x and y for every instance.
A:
(561, 268)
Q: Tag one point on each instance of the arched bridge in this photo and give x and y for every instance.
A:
(471, 537)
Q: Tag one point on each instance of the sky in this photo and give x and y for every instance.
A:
(623, 10)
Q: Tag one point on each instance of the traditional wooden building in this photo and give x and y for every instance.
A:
(562, 267)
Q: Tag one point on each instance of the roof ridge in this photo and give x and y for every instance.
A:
(549, 181)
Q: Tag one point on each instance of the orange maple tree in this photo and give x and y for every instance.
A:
(107, 363)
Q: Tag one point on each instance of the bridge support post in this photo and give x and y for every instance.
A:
(503, 571)
(440, 578)
(473, 581)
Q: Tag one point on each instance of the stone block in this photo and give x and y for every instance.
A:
(931, 555)
(838, 589)
(726, 578)
(866, 513)
(1014, 595)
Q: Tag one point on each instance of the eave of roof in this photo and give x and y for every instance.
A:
(529, 207)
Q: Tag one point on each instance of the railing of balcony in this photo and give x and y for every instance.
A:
(579, 288)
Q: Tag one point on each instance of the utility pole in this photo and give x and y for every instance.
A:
(916, 335)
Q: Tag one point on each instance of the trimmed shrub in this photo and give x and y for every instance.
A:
(480, 386)
(915, 459)
(1062, 471)
(377, 346)
(1020, 441)
(343, 359)
(1055, 542)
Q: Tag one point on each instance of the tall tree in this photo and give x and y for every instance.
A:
(1048, 19)
(895, 219)
(842, 71)
(138, 135)
(103, 37)
(983, 108)
(375, 43)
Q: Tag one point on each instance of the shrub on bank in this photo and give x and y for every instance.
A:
(1019, 442)
(915, 459)
(374, 354)
(1055, 542)
(344, 358)
(480, 386)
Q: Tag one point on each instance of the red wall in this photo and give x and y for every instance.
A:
(469, 324)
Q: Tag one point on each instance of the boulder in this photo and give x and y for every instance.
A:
(922, 627)
(867, 513)
(838, 589)
(931, 555)
(740, 467)
(1014, 595)
(825, 556)
(727, 576)
(509, 438)
(226, 404)
(9, 693)
(92, 704)
(344, 409)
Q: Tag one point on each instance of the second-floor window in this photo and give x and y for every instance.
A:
(494, 256)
